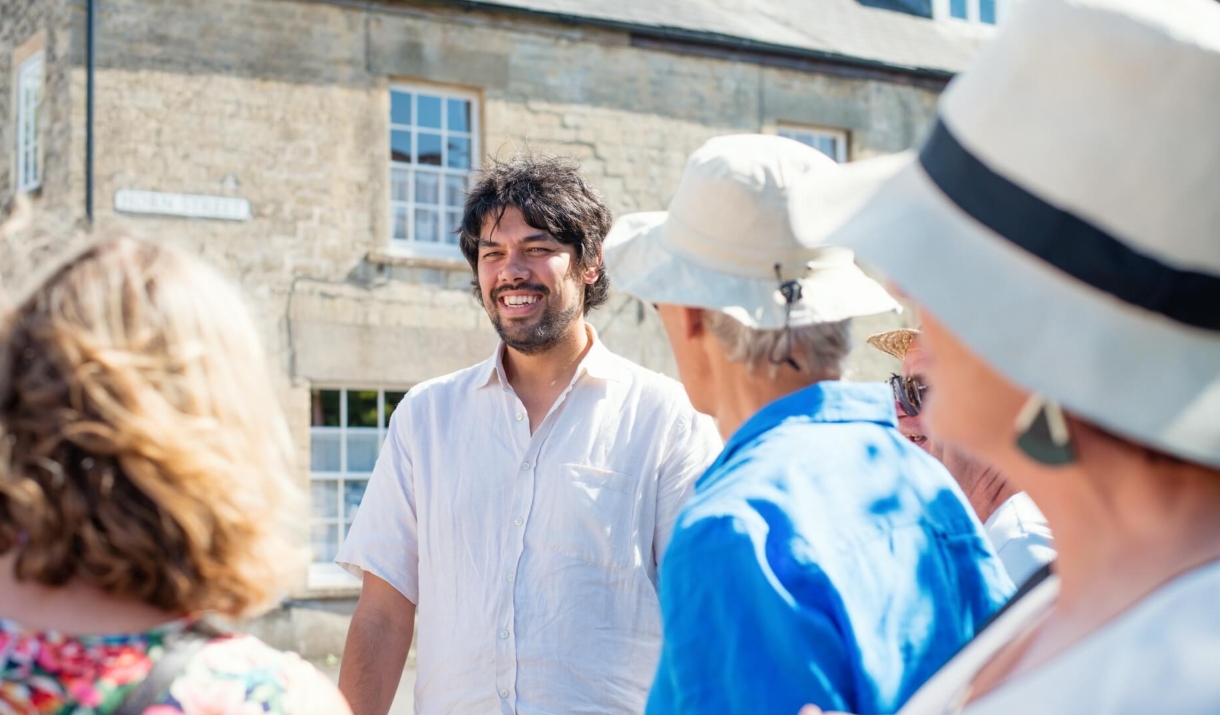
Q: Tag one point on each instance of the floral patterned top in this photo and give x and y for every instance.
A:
(49, 673)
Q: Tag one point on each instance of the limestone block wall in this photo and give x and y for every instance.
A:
(285, 103)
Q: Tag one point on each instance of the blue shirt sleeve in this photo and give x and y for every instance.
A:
(737, 639)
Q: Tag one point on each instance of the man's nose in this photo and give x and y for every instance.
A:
(515, 268)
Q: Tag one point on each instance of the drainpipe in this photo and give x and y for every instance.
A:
(90, 39)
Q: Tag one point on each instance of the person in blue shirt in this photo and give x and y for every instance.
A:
(824, 558)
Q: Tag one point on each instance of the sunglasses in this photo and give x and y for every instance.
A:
(908, 392)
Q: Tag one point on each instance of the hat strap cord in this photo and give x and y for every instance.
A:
(792, 292)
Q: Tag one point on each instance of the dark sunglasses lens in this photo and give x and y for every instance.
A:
(907, 393)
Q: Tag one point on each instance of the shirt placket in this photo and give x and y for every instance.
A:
(521, 507)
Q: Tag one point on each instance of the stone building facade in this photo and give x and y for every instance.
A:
(317, 142)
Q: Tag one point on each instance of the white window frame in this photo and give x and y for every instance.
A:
(839, 135)
(427, 249)
(329, 575)
(940, 11)
(28, 86)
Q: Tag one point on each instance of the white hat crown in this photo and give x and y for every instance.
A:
(730, 210)
(1109, 110)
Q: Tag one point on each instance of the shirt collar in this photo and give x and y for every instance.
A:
(598, 363)
(822, 402)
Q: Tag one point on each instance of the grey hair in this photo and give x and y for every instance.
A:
(820, 349)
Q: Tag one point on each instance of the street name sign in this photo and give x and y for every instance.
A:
(225, 208)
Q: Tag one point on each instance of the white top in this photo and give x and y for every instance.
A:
(532, 558)
(1160, 656)
(1021, 537)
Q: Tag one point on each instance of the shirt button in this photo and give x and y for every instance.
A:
(525, 465)
(503, 634)
(520, 416)
(504, 693)
(511, 578)
(518, 521)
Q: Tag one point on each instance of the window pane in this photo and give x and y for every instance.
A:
(324, 408)
(353, 492)
(455, 191)
(324, 542)
(361, 408)
(453, 225)
(362, 449)
(400, 145)
(427, 187)
(324, 451)
(324, 499)
(429, 111)
(391, 401)
(459, 115)
(400, 107)
(427, 224)
(957, 8)
(987, 11)
(400, 223)
(827, 145)
(400, 185)
(459, 153)
(430, 149)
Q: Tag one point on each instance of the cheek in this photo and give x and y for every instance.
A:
(970, 404)
(487, 281)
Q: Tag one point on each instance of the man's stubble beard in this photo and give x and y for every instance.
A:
(542, 335)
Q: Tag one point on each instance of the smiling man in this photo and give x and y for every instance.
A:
(522, 505)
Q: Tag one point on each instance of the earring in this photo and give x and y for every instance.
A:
(1042, 432)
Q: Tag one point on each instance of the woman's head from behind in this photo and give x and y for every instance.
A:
(142, 450)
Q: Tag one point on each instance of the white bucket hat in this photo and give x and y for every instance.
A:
(1063, 219)
(726, 242)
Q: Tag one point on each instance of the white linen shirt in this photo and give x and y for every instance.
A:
(532, 558)
(1021, 537)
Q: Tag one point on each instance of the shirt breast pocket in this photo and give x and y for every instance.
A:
(592, 516)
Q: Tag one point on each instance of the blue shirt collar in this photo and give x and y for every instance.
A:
(822, 402)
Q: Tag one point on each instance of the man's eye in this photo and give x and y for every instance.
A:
(485, 256)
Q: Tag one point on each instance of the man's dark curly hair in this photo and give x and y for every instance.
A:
(553, 197)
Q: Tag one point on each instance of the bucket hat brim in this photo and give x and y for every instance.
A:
(1128, 370)
(640, 263)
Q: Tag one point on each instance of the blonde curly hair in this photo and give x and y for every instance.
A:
(142, 449)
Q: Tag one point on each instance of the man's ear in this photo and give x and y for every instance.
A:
(692, 322)
(594, 271)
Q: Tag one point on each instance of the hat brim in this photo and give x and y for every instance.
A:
(1125, 369)
(639, 263)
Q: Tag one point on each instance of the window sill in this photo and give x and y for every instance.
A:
(403, 257)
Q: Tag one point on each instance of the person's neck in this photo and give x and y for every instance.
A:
(743, 393)
(74, 609)
(552, 367)
(1123, 528)
(984, 486)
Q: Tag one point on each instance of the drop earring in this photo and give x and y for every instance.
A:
(1042, 432)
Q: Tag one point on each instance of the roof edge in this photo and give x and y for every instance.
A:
(677, 36)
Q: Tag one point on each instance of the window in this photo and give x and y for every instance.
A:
(347, 429)
(433, 149)
(29, 95)
(982, 12)
(831, 142)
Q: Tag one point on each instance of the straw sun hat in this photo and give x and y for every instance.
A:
(1062, 219)
(894, 342)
